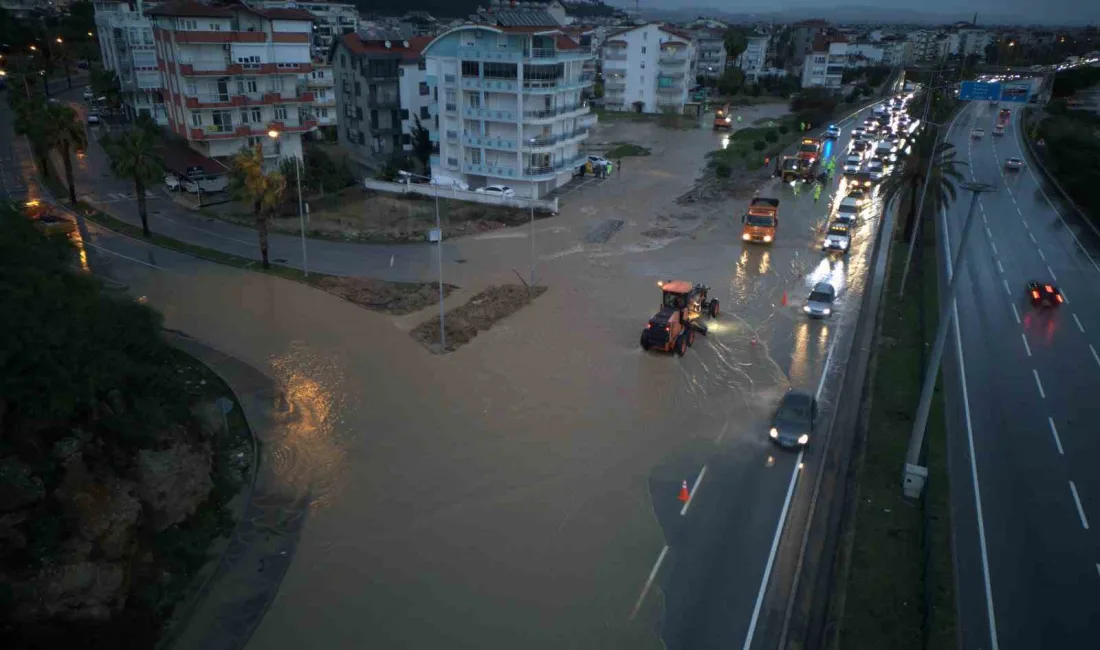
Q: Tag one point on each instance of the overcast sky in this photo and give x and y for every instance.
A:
(1045, 11)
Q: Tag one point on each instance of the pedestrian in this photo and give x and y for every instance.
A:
(817, 192)
(588, 166)
(609, 169)
(619, 162)
(797, 187)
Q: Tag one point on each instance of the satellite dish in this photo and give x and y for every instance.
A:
(406, 43)
(388, 45)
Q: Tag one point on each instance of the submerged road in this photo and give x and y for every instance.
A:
(521, 492)
(1022, 407)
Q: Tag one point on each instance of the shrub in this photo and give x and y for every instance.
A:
(771, 136)
(759, 145)
(723, 170)
(784, 129)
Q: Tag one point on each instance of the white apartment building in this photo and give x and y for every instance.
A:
(647, 69)
(332, 20)
(824, 65)
(752, 61)
(125, 37)
(966, 41)
(928, 45)
(862, 54)
(510, 106)
(710, 52)
(234, 73)
(417, 95)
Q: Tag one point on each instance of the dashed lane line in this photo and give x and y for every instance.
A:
(1007, 290)
(1052, 273)
(1039, 383)
(649, 582)
(694, 488)
(1096, 357)
(994, 248)
(1054, 432)
(1027, 347)
(1016, 313)
(1080, 510)
(1079, 325)
(1044, 257)
(1000, 267)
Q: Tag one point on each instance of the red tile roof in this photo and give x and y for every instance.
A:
(357, 45)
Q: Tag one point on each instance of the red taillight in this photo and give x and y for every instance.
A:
(666, 328)
(1049, 288)
(1034, 294)
(648, 325)
(1059, 297)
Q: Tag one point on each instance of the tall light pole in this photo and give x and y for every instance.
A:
(439, 256)
(274, 135)
(920, 207)
(65, 61)
(531, 277)
(914, 475)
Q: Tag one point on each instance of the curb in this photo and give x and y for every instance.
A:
(1028, 116)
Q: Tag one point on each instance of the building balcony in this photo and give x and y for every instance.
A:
(670, 90)
(495, 85)
(324, 101)
(550, 141)
(218, 132)
(614, 84)
(385, 129)
(490, 114)
(213, 100)
(674, 74)
(559, 112)
(672, 59)
(489, 142)
(614, 55)
(539, 55)
(283, 127)
(452, 136)
(199, 37)
(327, 82)
(549, 171)
(493, 170)
(385, 100)
(543, 86)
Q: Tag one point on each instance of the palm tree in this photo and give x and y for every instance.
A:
(929, 162)
(263, 191)
(133, 156)
(28, 122)
(66, 134)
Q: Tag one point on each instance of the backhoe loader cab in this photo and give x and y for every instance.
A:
(673, 327)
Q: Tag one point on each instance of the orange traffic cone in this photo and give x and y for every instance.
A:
(754, 341)
(784, 297)
(684, 494)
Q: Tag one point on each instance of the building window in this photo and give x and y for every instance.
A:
(196, 119)
(257, 115)
(501, 70)
(343, 61)
(424, 90)
(322, 113)
(358, 113)
(643, 49)
(192, 89)
(406, 138)
(362, 138)
(424, 113)
(471, 69)
(280, 113)
(248, 85)
(188, 25)
(421, 65)
(404, 113)
(244, 116)
(358, 89)
(215, 27)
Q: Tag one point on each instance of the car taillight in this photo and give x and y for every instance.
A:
(666, 328)
(1034, 294)
(648, 325)
(1049, 288)
(1058, 297)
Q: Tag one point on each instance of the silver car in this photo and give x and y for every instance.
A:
(819, 304)
(1014, 164)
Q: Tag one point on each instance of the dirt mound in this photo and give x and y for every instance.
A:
(479, 314)
(397, 298)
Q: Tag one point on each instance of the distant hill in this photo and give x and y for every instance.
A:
(437, 8)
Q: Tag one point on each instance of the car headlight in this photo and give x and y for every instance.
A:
(774, 433)
(826, 311)
(806, 309)
(803, 439)
(746, 237)
(767, 238)
(843, 244)
(728, 120)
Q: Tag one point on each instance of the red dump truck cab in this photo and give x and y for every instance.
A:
(761, 220)
(723, 117)
(1003, 116)
(809, 150)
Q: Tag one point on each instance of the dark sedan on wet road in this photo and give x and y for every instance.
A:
(794, 420)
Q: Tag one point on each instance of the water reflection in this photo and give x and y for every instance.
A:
(800, 358)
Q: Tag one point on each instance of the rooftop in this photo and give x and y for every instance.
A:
(223, 10)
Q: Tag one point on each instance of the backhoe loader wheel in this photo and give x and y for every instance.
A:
(645, 343)
(681, 345)
(691, 337)
(714, 309)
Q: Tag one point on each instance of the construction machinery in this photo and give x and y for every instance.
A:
(760, 220)
(723, 117)
(673, 327)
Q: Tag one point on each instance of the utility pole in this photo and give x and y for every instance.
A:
(914, 475)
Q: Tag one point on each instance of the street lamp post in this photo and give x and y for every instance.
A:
(65, 62)
(914, 474)
(920, 209)
(274, 135)
(439, 256)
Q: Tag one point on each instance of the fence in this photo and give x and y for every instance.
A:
(454, 193)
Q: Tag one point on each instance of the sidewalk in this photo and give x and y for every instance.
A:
(231, 604)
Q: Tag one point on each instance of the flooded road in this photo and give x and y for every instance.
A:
(517, 492)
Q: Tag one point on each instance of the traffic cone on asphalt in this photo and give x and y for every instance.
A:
(784, 298)
(754, 341)
(684, 494)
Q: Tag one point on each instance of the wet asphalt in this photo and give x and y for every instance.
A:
(1025, 428)
(518, 492)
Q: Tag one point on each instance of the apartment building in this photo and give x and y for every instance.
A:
(824, 65)
(125, 37)
(331, 21)
(510, 104)
(928, 45)
(417, 95)
(710, 52)
(752, 61)
(648, 69)
(965, 41)
(233, 74)
(803, 36)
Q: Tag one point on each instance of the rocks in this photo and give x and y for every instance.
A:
(77, 591)
(208, 417)
(18, 488)
(105, 509)
(174, 481)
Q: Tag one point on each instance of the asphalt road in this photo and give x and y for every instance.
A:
(522, 491)
(1022, 409)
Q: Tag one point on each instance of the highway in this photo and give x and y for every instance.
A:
(1022, 407)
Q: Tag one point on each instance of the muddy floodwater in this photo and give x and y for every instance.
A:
(516, 492)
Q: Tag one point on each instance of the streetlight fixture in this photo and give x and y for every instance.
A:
(59, 40)
(274, 135)
(914, 475)
(439, 255)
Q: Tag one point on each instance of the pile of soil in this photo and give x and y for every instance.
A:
(479, 314)
(397, 298)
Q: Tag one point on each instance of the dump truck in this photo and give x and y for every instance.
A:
(673, 327)
(723, 117)
(760, 220)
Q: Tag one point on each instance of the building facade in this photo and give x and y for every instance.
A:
(125, 37)
(753, 60)
(510, 106)
(418, 101)
(648, 69)
(710, 52)
(233, 74)
(824, 65)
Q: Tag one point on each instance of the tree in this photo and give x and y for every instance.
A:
(66, 134)
(731, 81)
(942, 177)
(422, 145)
(735, 44)
(133, 156)
(105, 83)
(263, 191)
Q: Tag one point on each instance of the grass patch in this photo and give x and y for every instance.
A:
(377, 295)
(624, 149)
(898, 589)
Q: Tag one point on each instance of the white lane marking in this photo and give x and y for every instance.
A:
(1041, 254)
(825, 370)
(1052, 273)
(985, 222)
(1039, 383)
(125, 257)
(648, 582)
(1095, 356)
(1065, 298)
(994, 248)
(1025, 224)
(1033, 241)
(1026, 346)
(1054, 431)
(1007, 290)
(1016, 313)
(725, 426)
(1098, 568)
(1012, 197)
(1000, 267)
(694, 488)
(1080, 510)
(988, 232)
(1079, 325)
(771, 554)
